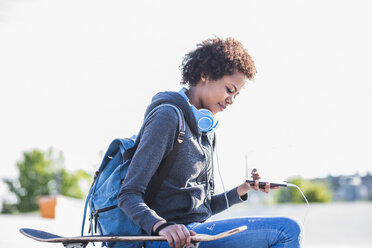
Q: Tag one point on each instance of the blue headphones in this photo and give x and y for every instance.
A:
(204, 117)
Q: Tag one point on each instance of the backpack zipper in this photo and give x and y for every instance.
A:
(96, 215)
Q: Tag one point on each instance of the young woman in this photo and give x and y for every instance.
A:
(215, 72)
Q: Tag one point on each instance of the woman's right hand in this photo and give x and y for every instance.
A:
(245, 187)
(177, 235)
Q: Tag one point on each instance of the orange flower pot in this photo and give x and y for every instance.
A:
(47, 205)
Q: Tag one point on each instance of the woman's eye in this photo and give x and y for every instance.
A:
(228, 90)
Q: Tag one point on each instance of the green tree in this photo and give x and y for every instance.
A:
(70, 183)
(40, 174)
(314, 192)
(35, 172)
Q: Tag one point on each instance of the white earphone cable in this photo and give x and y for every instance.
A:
(303, 195)
(223, 186)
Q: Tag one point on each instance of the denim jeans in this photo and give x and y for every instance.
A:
(261, 232)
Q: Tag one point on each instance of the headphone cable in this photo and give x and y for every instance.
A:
(223, 186)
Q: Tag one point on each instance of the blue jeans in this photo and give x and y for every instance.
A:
(261, 232)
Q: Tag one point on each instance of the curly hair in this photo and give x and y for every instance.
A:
(215, 58)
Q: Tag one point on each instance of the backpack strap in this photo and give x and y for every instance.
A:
(129, 153)
(165, 166)
(181, 123)
(157, 180)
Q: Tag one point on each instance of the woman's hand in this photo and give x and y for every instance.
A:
(177, 235)
(245, 187)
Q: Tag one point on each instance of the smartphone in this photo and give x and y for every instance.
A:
(262, 183)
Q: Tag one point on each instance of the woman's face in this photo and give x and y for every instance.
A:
(216, 95)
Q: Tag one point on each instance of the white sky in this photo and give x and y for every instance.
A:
(75, 74)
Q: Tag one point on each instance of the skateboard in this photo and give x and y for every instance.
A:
(82, 241)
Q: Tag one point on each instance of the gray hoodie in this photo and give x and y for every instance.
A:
(186, 194)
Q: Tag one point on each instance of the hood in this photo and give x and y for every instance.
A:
(176, 99)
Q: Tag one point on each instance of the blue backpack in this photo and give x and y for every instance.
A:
(105, 216)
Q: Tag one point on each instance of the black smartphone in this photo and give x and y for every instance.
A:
(262, 183)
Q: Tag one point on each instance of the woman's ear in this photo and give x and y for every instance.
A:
(203, 78)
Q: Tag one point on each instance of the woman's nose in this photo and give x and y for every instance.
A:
(230, 100)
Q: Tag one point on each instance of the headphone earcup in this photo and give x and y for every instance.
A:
(204, 118)
(206, 122)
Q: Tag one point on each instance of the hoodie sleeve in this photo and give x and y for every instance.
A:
(157, 139)
(218, 202)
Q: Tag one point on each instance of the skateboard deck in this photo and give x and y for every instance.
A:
(82, 241)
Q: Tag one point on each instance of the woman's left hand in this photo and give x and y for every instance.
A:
(245, 187)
